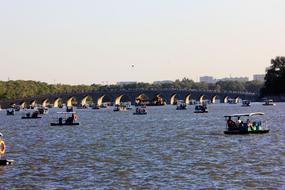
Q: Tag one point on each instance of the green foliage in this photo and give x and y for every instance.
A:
(275, 78)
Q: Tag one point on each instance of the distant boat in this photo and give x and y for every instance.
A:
(66, 119)
(245, 103)
(42, 110)
(201, 109)
(10, 111)
(118, 108)
(181, 106)
(35, 115)
(140, 111)
(269, 103)
(249, 126)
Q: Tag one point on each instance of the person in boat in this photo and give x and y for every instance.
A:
(238, 122)
(249, 124)
(71, 119)
(35, 114)
(231, 123)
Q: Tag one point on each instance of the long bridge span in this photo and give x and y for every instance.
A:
(116, 96)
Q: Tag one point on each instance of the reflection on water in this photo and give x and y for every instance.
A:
(166, 149)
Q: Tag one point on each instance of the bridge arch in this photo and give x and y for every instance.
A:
(71, 101)
(23, 105)
(173, 99)
(102, 99)
(45, 103)
(33, 103)
(237, 99)
(57, 102)
(202, 98)
(87, 100)
(158, 99)
(214, 99)
(122, 98)
(142, 98)
(226, 99)
(187, 99)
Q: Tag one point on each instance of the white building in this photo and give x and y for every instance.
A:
(240, 79)
(259, 77)
(122, 83)
(163, 82)
(207, 79)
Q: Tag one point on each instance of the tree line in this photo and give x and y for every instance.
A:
(21, 88)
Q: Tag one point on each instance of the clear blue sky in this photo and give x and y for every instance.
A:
(90, 41)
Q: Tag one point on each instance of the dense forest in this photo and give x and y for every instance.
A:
(20, 88)
(275, 78)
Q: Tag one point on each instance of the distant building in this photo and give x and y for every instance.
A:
(163, 82)
(240, 79)
(207, 79)
(122, 83)
(259, 77)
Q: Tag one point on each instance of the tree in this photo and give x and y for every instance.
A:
(275, 78)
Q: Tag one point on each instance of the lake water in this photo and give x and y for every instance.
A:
(166, 149)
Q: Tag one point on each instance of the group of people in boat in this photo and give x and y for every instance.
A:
(239, 123)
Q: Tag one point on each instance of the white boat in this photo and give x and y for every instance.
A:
(245, 103)
(269, 103)
(65, 118)
(140, 111)
(235, 124)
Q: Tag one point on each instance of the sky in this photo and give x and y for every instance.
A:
(98, 41)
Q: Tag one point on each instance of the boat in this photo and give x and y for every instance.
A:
(69, 109)
(35, 115)
(269, 103)
(201, 109)
(248, 126)
(42, 110)
(129, 107)
(140, 111)
(66, 119)
(245, 103)
(119, 108)
(10, 111)
(4, 162)
(181, 106)
(95, 107)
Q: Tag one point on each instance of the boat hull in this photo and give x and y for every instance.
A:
(31, 117)
(6, 162)
(242, 132)
(139, 113)
(63, 124)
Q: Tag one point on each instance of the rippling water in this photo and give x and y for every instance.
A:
(166, 149)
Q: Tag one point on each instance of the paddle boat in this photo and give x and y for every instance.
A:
(95, 107)
(181, 106)
(69, 109)
(245, 103)
(10, 111)
(34, 115)
(140, 111)
(235, 125)
(201, 108)
(269, 103)
(42, 110)
(66, 119)
(119, 108)
(3, 162)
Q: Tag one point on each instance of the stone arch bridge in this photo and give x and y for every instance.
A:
(116, 96)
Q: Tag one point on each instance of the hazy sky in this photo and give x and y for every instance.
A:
(91, 41)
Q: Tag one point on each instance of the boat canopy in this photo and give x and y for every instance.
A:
(65, 112)
(245, 114)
